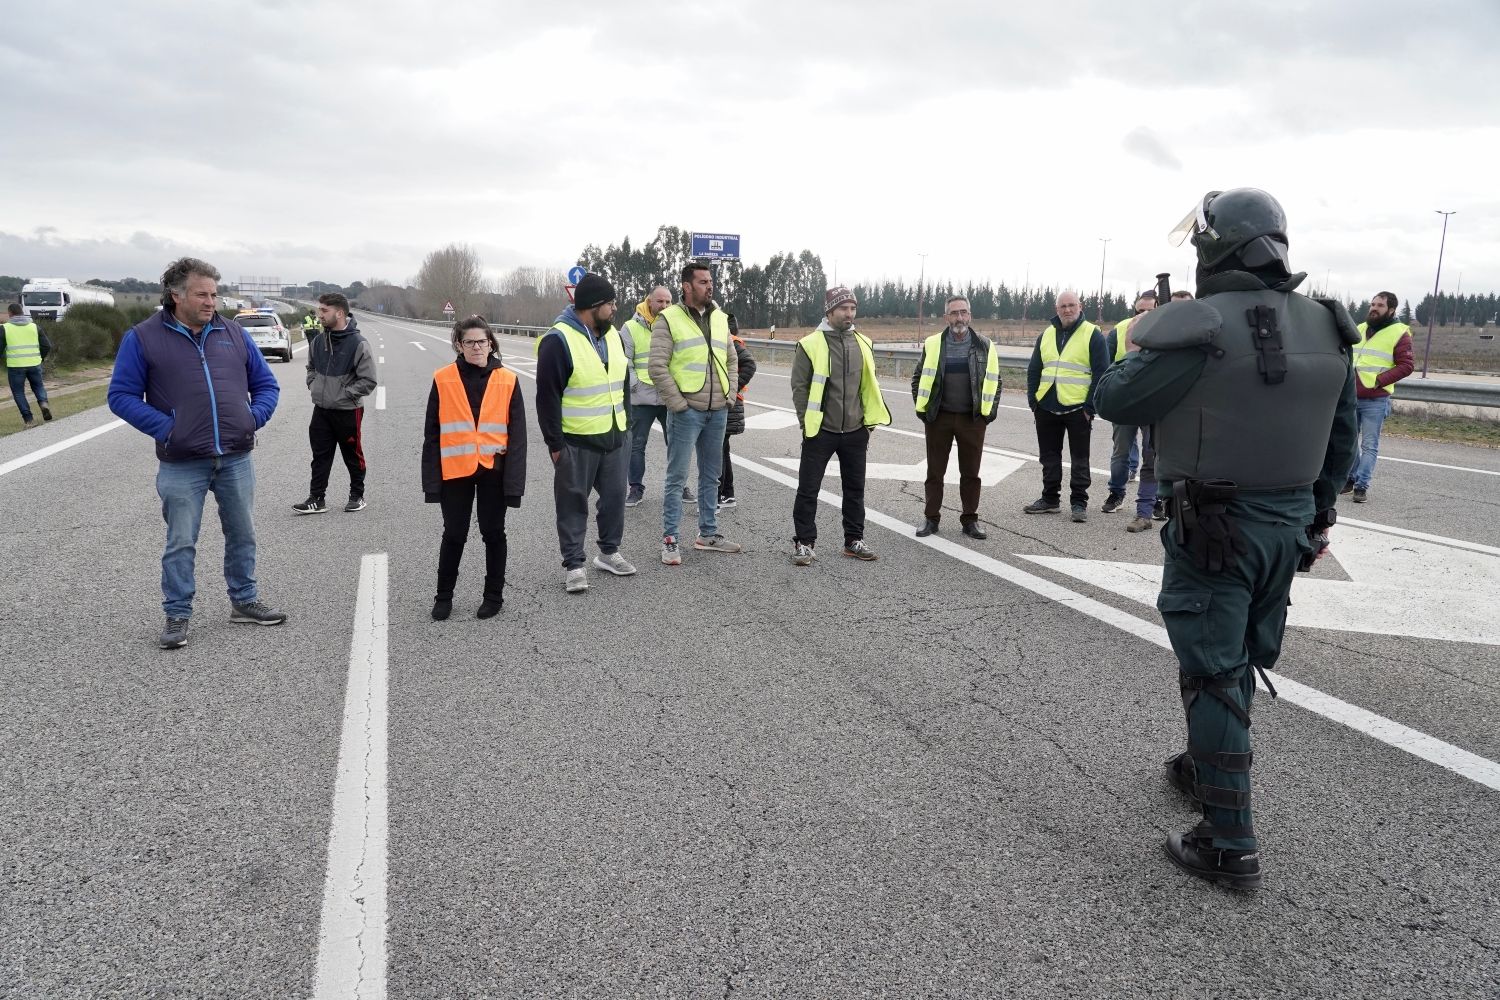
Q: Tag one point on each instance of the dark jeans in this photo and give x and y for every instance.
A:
(726, 473)
(339, 430)
(641, 418)
(968, 431)
(1050, 428)
(852, 448)
(18, 377)
(580, 472)
(457, 499)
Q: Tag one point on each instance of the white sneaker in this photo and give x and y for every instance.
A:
(614, 563)
(671, 555)
(577, 581)
(803, 555)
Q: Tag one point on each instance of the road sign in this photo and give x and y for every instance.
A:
(716, 246)
(569, 290)
(575, 274)
(448, 308)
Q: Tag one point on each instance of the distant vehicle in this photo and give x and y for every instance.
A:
(51, 298)
(266, 329)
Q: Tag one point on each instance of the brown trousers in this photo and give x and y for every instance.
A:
(968, 431)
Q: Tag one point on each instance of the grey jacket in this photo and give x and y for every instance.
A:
(842, 409)
(340, 368)
(711, 396)
(641, 394)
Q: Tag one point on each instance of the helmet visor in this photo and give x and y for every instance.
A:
(1194, 222)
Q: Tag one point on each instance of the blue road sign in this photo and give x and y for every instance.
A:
(575, 274)
(716, 246)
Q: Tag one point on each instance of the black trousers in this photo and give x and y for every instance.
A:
(457, 499)
(726, 473)
(339, 430)
(1050, 428)
(852, 448)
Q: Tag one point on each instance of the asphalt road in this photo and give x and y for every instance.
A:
(934, 775)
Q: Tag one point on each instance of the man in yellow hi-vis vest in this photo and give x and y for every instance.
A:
(22, 348)
(1381, 359)
(838, 401)
(1065, 366)
(646, 407)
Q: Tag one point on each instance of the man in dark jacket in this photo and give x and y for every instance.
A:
(197, 384)
(1066, 363)
(956, 387)
(735, 423)
(340, 374)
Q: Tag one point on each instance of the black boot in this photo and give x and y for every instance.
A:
(1181, 775)
(489, 608)
(1193, 853)
(442, 607)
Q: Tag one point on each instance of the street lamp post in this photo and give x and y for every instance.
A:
(1432, 313)
(921, 277)
(1103, 255)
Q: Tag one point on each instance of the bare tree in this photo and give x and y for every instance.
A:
(452, 274)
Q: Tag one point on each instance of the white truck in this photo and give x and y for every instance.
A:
(50, 298)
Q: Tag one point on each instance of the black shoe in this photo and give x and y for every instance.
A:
(929, 527)
(973, 530)
(1042, 507)
(1180, 775)
(1080, 513)
(1112, 502)
(355, 504)
(488, 609)
(442, 607)
(312, 505)
(1236, 869)
(1348, 487)
(46, 413)
(1159, 510)
(1360, 496)
(175, 635)
(256, 613)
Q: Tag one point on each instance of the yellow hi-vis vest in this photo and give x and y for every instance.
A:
(640, 338)
(932, 352)
(690, 352)
(465, 444)
(23, 345)
(815, 345)
(1377, 354)
(1069, 371)
(1121, 337)
(594, 399)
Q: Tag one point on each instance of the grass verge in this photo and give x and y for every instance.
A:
(62, 406)
(1455, 430)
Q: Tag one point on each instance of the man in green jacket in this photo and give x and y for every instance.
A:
(1252, 395)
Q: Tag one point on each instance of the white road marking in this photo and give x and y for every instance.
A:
(380, 397)
(417, 344)
(53, 449)
(351, 931)
(381, 359)
(992, 469)
(1436, 465)
(1478, 769)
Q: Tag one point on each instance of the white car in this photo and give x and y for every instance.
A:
(268, 333)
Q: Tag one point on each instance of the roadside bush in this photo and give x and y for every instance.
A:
(108, 318)
(137, 313)
(75, 341)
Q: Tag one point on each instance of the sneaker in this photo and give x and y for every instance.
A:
(634, 495)
(857, 549)
(728, 503)
(256, 613)
(1139, 524)
(1042, 507)
(671, 555)
(355, 504)
(28, 425)
(1080, 513)
(687, 496)
(716, 543)
(1360, 496)
(312, 505)
(1193, 853)
(576, 581)
(175, 635)
(1134, 475)
(1348, 487)
(1112, 502)
(46, 413)
(1159, 510)
(803, 554)
(614, 563)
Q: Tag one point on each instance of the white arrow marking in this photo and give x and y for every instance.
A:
(1398, 586)
(992, 468)
(772, 420)
(418, 345)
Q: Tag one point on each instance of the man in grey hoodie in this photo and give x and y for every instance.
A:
(340, 374)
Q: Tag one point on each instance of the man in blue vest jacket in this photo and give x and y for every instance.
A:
(196, 384)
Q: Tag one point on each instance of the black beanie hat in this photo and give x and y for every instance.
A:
(592, 291)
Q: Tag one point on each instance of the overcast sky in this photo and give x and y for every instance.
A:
(340, 141)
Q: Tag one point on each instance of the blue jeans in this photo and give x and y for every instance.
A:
(1370, 414)
(18, 378)
(1125, 456)
(642, 416)
(182, 487)
(687, 432)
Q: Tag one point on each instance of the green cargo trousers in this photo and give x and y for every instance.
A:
(1221, 625)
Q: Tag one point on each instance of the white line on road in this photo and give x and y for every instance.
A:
(1469, 765)
(382, 359)
(1437, 465)
(380, 397)
(351, 932)
(417, 344)
(53, 449)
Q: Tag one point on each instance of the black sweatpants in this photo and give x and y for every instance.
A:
(1050, 428)
(339, 430)
(726, 472)
(457, 499)
(852, 448)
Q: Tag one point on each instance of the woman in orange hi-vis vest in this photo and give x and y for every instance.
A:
(474, 448)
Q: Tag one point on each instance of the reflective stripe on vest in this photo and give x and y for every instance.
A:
(640, 339)
(690, 357)
(1377, 354)
(594, 399)
(1121, 337)
(23, 345)
(1069, 371)
(932, 354)
(463, 444)
(815, 345)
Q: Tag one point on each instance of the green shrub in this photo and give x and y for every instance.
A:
(108, 318)
(137, 313)
(75, 341)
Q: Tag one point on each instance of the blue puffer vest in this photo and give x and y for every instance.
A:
(206, 391)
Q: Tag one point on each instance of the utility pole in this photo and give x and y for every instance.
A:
(921, 277)
(1103, 255)
(1432, 313)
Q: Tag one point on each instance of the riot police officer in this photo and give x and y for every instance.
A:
(1252, 394)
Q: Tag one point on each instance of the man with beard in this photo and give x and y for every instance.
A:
(1382, 358)
(646, 406)
(340, 374)
(1066, 363)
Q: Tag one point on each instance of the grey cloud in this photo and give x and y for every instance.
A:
(1147, 145)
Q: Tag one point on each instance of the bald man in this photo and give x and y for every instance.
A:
(1066, 363)
(645, 402)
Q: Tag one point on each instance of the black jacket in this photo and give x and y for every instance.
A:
(1098, 362)
(511, 466)
(979, 349)
(736, 419)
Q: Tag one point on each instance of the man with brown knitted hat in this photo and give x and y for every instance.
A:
(838, 401)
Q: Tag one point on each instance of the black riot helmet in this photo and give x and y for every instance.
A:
(1246, 223)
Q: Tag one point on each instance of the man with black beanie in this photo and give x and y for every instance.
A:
(580, 406)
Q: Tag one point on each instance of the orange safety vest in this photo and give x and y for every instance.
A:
(464, 445)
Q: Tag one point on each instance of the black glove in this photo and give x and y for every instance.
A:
(1317, 535)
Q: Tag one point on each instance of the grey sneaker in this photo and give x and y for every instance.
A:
(1080, 513)
(614, 563)
(671, 555)
(634, 495)
(175, 635)
(857, 549)
(803, 554)
(256, 613)
(687, 496)
(312, 505)
(355, 504)
(716, 543)
(576, 581)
